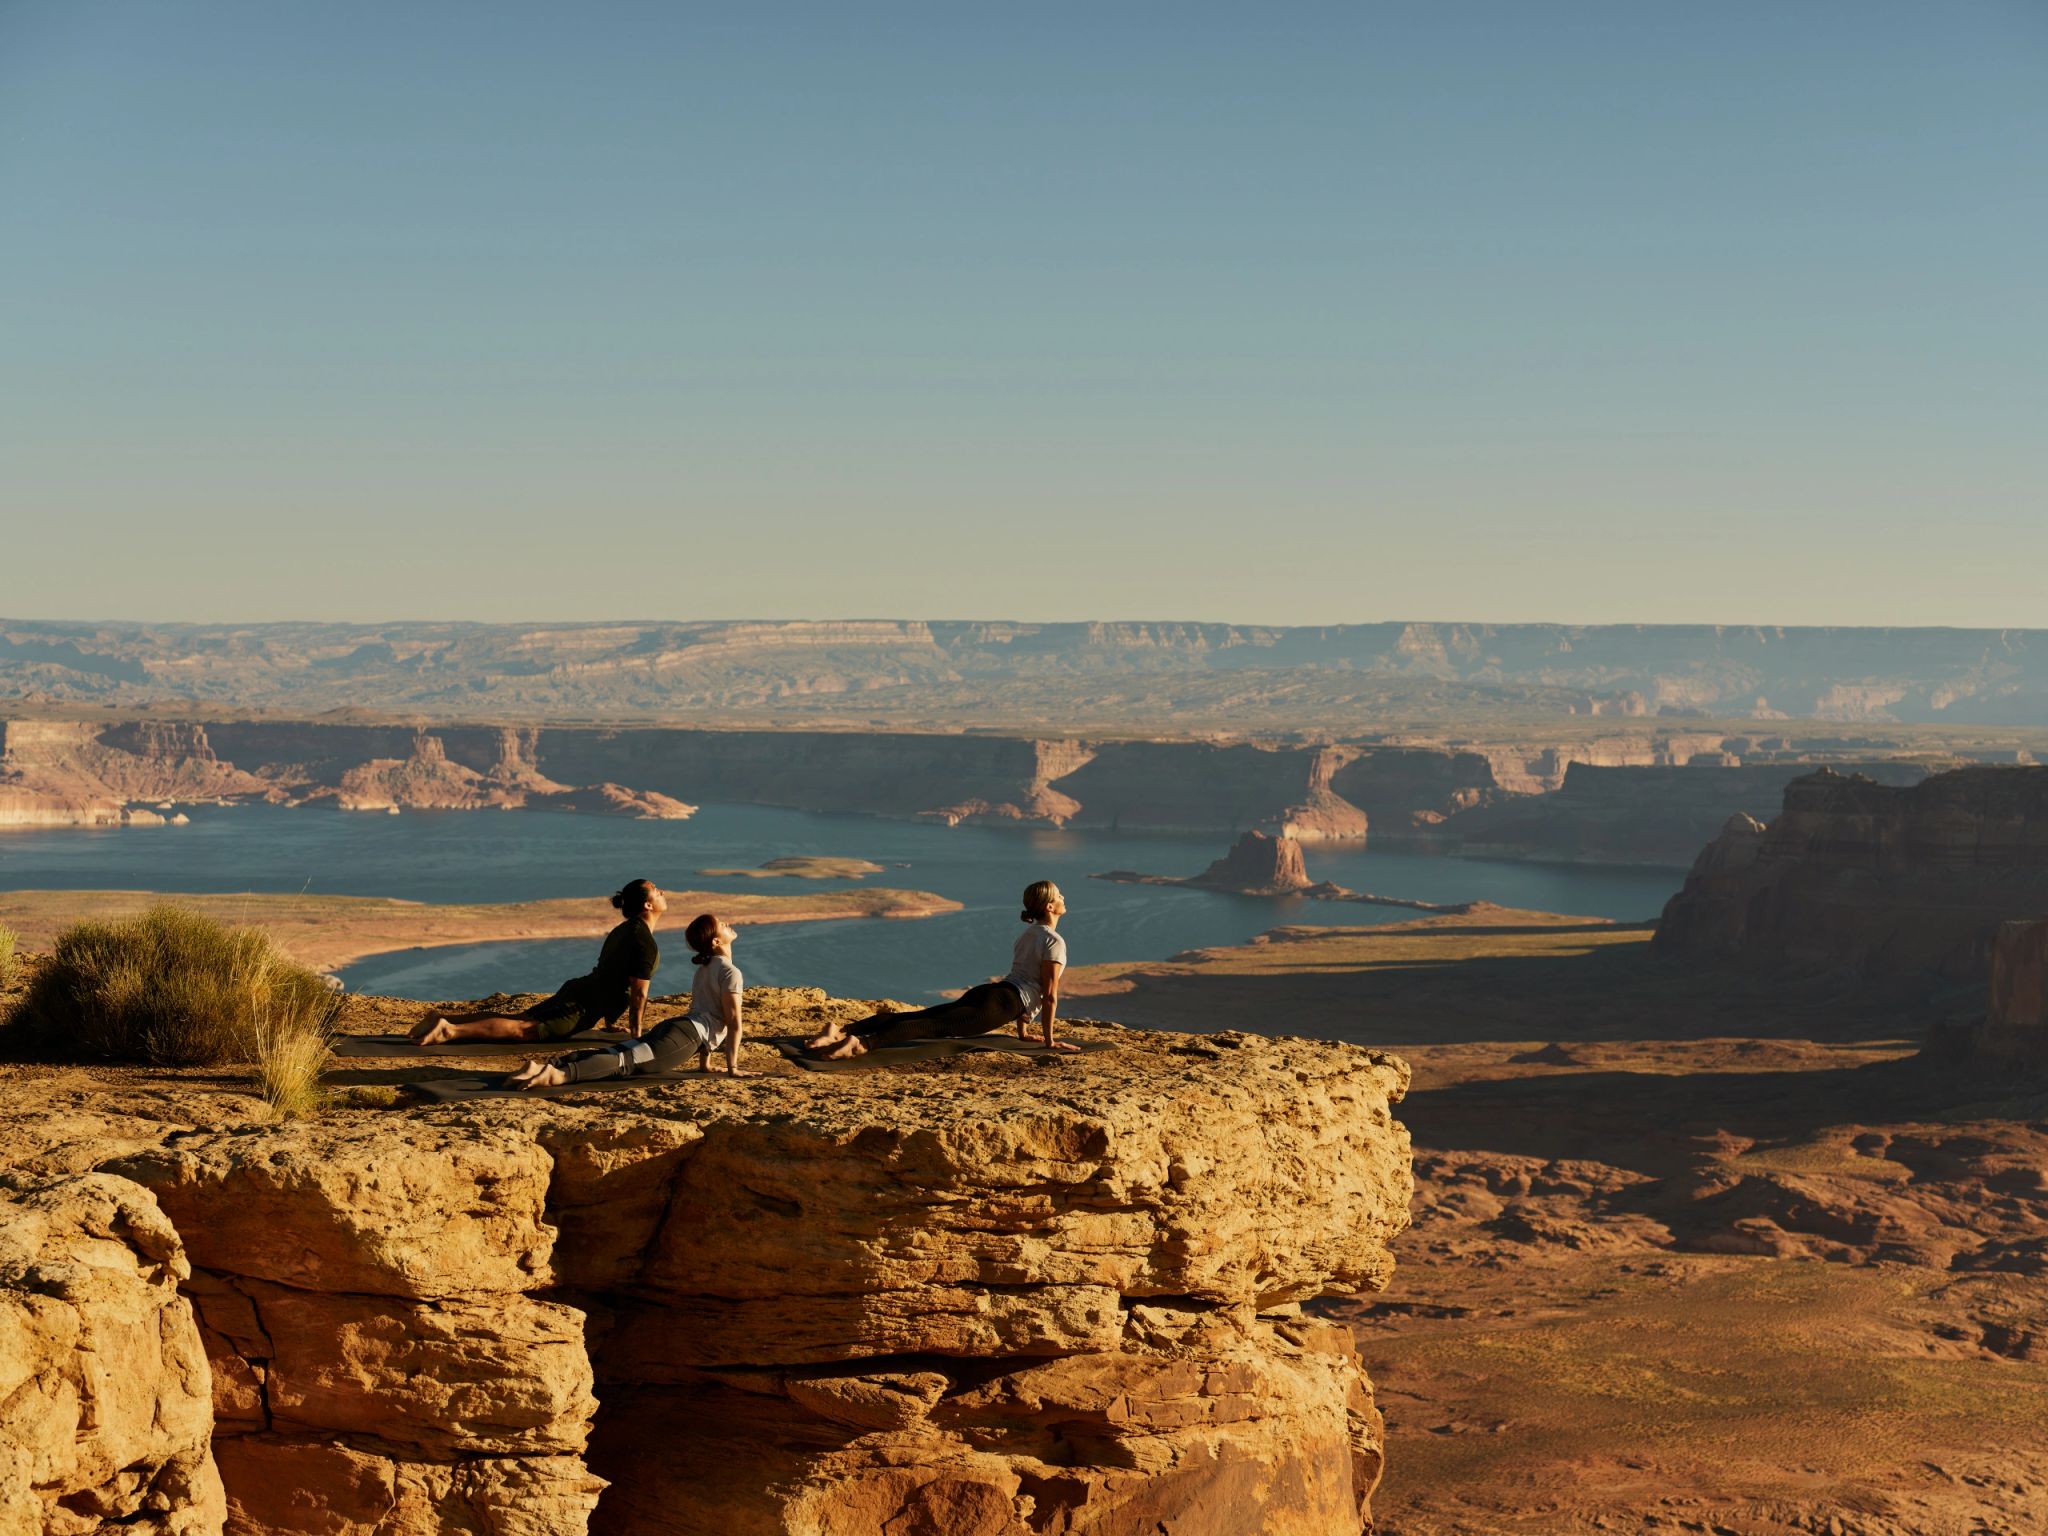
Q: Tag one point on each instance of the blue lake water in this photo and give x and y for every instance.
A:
(528, 855)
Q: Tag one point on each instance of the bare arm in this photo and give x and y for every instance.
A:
(636, 991)
(735, 1026)
(1049, 984)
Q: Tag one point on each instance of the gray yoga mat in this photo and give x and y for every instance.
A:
(399, 1045)
(460, 1090)
(927, 1050)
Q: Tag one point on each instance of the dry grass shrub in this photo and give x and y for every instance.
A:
(288, 1070)
(170, 988)
(7, 965)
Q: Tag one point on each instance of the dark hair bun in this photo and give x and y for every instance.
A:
(1028, 917)
(632, 896)
(702, 937)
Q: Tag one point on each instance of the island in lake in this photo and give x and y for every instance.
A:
(800, 866)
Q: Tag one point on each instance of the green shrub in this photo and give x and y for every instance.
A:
(171, 988)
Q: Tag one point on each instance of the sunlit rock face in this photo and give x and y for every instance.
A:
(105, 1413)
(994, 1295)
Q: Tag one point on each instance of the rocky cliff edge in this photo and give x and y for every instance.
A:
(984, 1297)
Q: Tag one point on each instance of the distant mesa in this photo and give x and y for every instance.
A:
(802, 866)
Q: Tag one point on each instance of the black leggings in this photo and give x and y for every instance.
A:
(977, 1011)
(663, 1049)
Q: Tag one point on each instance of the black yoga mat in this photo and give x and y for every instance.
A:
(399, 1045)
(928, 1050)
(460, 1090)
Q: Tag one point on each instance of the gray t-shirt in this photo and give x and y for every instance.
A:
(714, 979)
(1035, 945)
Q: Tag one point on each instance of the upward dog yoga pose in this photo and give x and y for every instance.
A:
(617, 986)
(713, 1020)
(1030, 991)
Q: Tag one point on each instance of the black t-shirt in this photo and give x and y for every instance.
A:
(629, 954)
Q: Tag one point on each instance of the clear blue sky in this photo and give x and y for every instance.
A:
(1296, 313)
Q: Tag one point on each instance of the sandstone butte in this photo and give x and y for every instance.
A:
(1257, 864)
(987, 1297)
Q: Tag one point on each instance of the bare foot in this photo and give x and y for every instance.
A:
(536, 1074)
(831, 1034)
(846, 1049)
(426, 1026)
(438, 1032)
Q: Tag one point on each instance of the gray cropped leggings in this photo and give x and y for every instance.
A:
(664, 1048)
(977, 1011)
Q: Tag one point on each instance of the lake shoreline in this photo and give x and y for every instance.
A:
(330, 933)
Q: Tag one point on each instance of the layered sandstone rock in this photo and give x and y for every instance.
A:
(991, 1296)
(1005, 1300)
(105, 1414)
(22, 806)
(1870, 878)
(379, 1363)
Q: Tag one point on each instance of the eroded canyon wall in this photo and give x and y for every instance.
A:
(1648, 800)
(1656, 815)
(963, 777)
(1871, 878)
(1185, 786)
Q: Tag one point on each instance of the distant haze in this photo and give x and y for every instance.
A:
(1050, 679)
(1323, 313)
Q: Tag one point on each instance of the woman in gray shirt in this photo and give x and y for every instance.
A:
(714, 1020)
(1030, 992)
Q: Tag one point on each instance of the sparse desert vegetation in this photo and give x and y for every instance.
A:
(7, 961)
(169, 987)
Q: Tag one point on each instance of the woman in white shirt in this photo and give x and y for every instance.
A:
(1031, 992)
(714, 1020)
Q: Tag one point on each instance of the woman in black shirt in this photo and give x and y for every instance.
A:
(618, 985)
